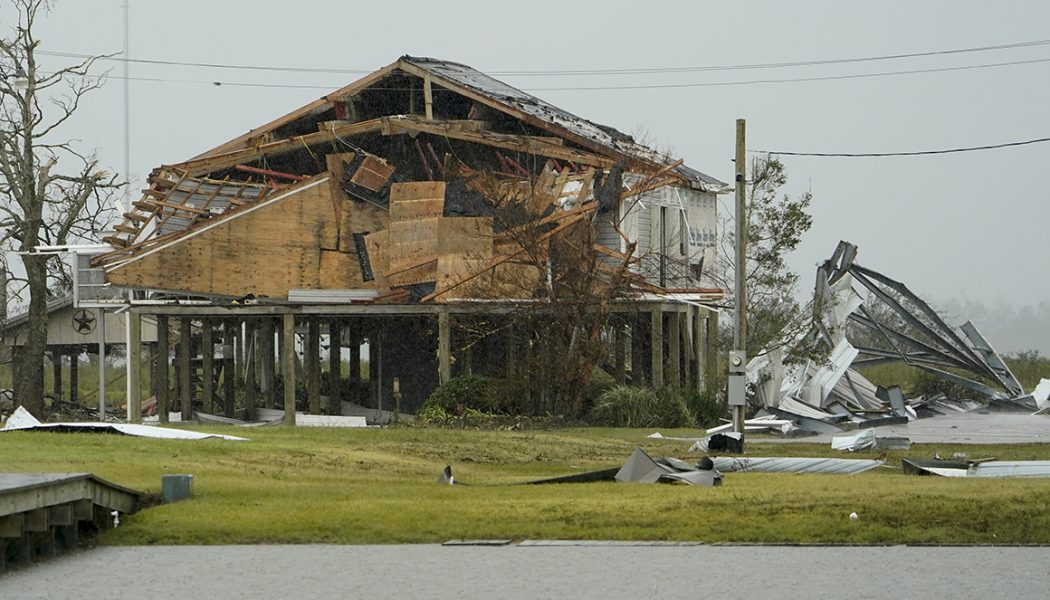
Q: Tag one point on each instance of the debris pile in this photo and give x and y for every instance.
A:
(863, 318)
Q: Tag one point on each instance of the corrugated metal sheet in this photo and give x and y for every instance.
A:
(825, 466)
(499, 91)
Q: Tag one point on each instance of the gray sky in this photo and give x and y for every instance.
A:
(969, 226)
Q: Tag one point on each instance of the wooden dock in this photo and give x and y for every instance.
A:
(42, 513)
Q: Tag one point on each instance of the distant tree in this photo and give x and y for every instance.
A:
(776, 224)
(50, 193)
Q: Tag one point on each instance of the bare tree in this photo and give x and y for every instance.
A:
(50, 193)
(568, 281)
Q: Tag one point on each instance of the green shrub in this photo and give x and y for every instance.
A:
(707, 407)
(624, 406)
(462, 393)
(599, 383)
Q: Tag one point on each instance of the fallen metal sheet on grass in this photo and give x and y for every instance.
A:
(642, 468)
(989, 469)
(836, 466)
(865, 439)
(22, 420)
(588, 477)
(862, 440)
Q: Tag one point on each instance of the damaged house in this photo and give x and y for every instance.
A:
(404, 211)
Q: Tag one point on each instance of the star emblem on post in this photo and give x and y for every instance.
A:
(83, 322)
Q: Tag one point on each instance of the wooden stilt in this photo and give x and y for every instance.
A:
(444, 347)
(619, 351)
(312, 365)
(638, 358)
(74, 377)
(134, 358)
(674, 356)
(228, 367)
(288, 358)
(711, 346)
(657, 336)
(266, 361)
(335, 367)
(161, 377)
(251, 351)
(208, 365)
(185, 375)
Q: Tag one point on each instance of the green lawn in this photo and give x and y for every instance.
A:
(378, 486)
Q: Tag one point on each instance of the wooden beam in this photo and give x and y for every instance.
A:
(288, 370)
(540, 123)
(428, 98)
(211, 163)
(518, 143)
(316, 107)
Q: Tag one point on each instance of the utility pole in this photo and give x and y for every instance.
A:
(738, 357)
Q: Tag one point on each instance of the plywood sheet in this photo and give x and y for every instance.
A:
(341, 270)
(417, 200)
(464, 246)
(265, 251)
(378, 245)
(373, 174)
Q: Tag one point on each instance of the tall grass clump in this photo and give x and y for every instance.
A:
(625, 406)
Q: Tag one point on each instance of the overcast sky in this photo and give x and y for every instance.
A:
(970, 226)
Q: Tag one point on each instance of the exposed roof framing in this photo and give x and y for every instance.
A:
(605, 142)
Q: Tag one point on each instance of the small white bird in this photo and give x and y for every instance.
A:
(853, 516)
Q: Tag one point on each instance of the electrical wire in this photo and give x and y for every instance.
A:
(583, 72)
(794, 79)
(914, 153)
(619, 87)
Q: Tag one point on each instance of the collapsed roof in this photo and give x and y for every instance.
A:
(419, 182)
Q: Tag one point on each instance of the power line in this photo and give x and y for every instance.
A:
(618, 87)
(583, 72)
(794, 79)
(915, 153)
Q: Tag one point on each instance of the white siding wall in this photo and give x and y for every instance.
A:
(684, 246)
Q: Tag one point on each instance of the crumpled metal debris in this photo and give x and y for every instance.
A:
(867, 318)
(642, 468)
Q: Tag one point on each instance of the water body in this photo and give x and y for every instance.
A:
(603, 571)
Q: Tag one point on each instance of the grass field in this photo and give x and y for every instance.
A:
(378, 486)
